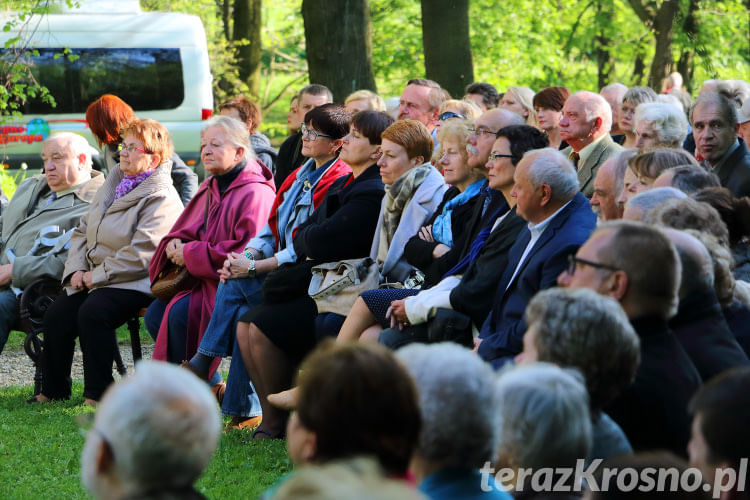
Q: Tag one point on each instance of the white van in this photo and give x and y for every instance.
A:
(157, 62)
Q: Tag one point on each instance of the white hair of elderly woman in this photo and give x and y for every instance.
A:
(236, 133)
(455, 392)
(161, 425)
(545, 421)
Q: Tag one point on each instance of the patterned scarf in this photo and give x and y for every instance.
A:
(130, 182)
(397, 196)
(442, 226)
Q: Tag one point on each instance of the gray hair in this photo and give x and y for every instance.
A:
(668, 120)
(617, 89)
(162, 425)
(689, 178)
(76, 144)
(581, 329)
(236, 132)
(455, 388)
(621, 160)
(646, 201)
(595, 106)
(727, 109)
(549, 166)
(737, 91)
(639, 95)
(545, 420)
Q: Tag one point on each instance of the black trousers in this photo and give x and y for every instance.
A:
(93, 317)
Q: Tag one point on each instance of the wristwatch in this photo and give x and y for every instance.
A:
(251, 267)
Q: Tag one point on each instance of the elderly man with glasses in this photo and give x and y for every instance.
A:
(639, 266)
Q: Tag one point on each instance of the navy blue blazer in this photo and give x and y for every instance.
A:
(502, 332)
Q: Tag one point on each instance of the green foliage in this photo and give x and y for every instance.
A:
(17, 83)
(9, 183)
(40, 449)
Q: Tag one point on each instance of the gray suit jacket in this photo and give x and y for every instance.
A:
(587, 170)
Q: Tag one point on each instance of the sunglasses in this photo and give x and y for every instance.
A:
(449, 114)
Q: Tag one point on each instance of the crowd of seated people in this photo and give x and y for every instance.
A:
(600, 240)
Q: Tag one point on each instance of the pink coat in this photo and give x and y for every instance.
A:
(234, 218)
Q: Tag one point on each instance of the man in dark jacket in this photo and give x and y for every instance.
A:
(559, 221)
(699, 324)
(715, 129)
(638, 265)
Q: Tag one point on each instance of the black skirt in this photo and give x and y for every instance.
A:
(289, 325)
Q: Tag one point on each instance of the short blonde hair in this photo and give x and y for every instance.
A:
(154, 136)
(375, 102)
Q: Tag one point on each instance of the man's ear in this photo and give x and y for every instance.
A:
(81, 161)
(310, 447)
(618, 285)
(546, 194)
(105, 458)
(597, 125)
(435, 115)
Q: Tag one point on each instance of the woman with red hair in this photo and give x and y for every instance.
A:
(106, 117)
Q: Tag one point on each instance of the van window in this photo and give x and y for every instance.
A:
(146, 78)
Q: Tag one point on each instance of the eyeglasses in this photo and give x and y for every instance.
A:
(311, 135)
(481, 130)
(497, 156)
(130, 148)
(449, 114)
(573, 262)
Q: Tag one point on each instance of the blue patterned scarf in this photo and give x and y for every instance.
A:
(442, 232)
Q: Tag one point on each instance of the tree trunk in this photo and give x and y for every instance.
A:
(247, 24)
(605, 63)
(686, 64)
(338, 38)
(660, 21)
(225, 19)
(447, 47)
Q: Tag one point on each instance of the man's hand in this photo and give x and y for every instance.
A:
(6, 274)
(397, 313)
(477, 341)
(76, 281)
(174, 251)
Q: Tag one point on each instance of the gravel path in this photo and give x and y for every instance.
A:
(17, 369)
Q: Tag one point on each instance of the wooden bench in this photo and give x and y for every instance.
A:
(33, 304)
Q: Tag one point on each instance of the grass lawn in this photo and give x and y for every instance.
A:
(40, 449)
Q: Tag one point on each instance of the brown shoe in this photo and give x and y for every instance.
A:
(219, 390)
(243, 423)
(186, 365)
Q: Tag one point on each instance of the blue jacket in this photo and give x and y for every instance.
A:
(502, 332)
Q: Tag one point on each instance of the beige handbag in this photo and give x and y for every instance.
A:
(336, 285)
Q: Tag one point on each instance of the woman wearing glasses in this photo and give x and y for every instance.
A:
(244, 267)
(106, 273)
(106, 117)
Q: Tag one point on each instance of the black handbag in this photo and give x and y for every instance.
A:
(450, 326)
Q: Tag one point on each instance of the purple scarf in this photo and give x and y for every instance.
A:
(129, 183)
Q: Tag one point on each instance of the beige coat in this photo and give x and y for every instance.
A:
(116, 239)
(21, 227)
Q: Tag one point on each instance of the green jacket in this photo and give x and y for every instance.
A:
(19, 229)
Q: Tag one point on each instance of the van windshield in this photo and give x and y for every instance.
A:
(146, 78)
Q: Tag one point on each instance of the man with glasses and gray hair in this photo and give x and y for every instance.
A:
(153, 435)
(638, 265)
